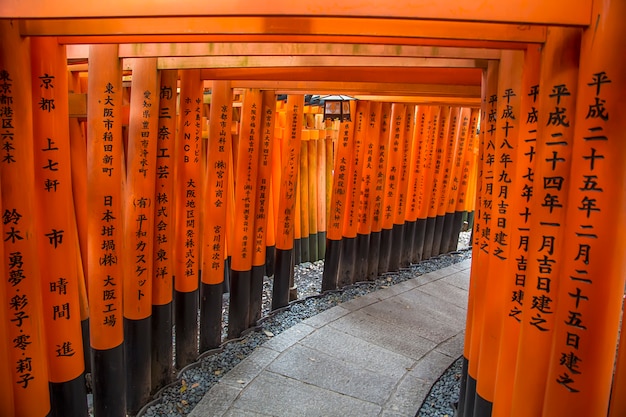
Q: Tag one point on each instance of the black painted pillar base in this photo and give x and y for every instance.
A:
(457, 224)
(210, 316)
(482, 407)
(372, 259)
(406, 259)
(470, 220)
(347, 262)
(362, 252)
(384, 251)
(293, 288)
(418, 241)
(280, 293)
(84, 327)
(162, 349)
(305, 253)
(108, 382)
(238, 309)
(438, 235)
(470, 397)
(186, 321)
(331, 265)
(68, 399)
(137, 339)
(297, 252)
(313, 249)
(429, 236)
(397, 238)
(256, 294)
(446, 234)
(226, 283)
(321, 244)
(270, 260)
(461, 404)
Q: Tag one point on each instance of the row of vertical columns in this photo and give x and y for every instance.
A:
(400, 172)
(547, 281)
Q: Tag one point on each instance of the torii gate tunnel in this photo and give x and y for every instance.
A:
(158, 154)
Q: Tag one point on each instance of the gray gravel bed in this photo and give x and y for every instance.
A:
(180, 397)
(444, 393)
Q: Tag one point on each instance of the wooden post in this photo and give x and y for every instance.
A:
(188, 192)
(404, 195)
(286, 207)
(376, 208)
(338, 203)
(480, 243)
(139, 220)
(55, 218)
(78, 152)
(7, 403)
(105, 230)
(245, 194)
(555, 130)
(347, 263)
(25, 333)
(368, 174)
(500, 158)
(314, 183)
(441, 127)
(414, 178)
(164, 226)
(215, 221)
(267, 115)
(444, 223)
(590, 293)
(390, 243)
(454, 219)
(303, 192)
(522, 107)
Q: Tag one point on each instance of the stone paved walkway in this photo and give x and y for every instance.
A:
(376, 355)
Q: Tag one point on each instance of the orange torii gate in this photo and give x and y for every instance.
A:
(575, 296)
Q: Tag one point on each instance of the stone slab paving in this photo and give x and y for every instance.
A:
(376, 355)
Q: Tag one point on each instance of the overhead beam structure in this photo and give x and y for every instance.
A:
(554, 12)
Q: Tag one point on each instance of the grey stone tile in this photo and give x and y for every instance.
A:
(431, 366)
(326, 316)
(432, 276)
(279, 396)
(361, 353)
(458, 279)
(289, 337)
(404, 340)
(448, 293)
(421, 304)
(216, 402)
(248, 369)
(314, 367)
(239, 412)
(408, 397)
(406, 313)
(463, 265)
(360, 302)
(453, 347)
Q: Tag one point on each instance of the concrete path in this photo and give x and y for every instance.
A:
(376, 355)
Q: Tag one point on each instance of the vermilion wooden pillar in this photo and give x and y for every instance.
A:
(215, 219)
(139, 217)
(592, 277)
(164, 227)
(105, 230)
(25, 338)
(555, 131)
(59, 251)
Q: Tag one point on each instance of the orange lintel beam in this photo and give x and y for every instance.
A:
(460, 76)
(269, 38)
(247, 25)
(190, 62)
(561, 12)
(159, 50)
(373, 88)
